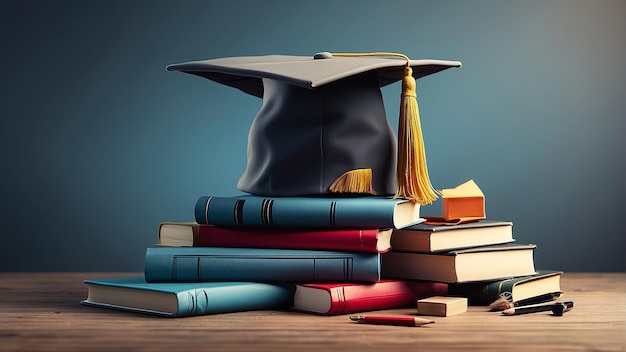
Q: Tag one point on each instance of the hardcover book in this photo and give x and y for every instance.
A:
(192, 234)
(366, 212)
(545, 285)
(436, 238)
(463, 265)
(344, 298)
(134, 294)
(193, 264)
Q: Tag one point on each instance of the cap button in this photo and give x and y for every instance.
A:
(323, 55)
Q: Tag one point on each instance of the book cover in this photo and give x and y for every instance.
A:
(348, 212)
(134, 294)
(463, 265)
(544, 285)
(193, 264)
(436, 238)
(344, 298)
(190, 234)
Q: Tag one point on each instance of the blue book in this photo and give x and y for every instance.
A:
(134, 294)
(348, 212)
(193, 264)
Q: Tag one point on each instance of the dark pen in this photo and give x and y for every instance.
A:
(557, 308)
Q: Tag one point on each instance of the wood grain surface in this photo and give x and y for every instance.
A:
(41, 312)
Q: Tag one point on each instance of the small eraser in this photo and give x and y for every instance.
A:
(442, 306)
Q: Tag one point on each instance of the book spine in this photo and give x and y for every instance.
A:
(252, 297)
(477, 293)
(178, 264)
(343, 240)
(482, 293)
(354, 299)
(331, 213)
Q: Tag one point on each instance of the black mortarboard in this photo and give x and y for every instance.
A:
(322, 129)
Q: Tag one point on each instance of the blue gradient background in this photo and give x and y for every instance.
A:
(100, 143)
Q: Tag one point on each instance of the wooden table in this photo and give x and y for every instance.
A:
(41, 312)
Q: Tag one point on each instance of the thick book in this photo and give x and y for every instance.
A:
(191, 234)
(344, 298)
(463, 265)
(545, 285)
(349, 212)
(193, 264)
(437, 238)
(134, 294)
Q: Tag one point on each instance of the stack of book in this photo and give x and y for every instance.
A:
(324, 256)
(479, 260)
(308, 254)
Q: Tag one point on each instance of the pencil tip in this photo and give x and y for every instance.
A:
(509, 311)
(422, 321)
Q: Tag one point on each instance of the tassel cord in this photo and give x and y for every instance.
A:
(413, 180)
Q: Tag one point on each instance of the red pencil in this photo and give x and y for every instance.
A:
(390, 320)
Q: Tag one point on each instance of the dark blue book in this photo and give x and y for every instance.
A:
(134, 294)
(193, 264)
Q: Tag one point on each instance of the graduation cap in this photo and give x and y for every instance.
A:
(322, 129)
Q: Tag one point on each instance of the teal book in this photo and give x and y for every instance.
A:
(194, 264)
(348, 212)
(134, 294)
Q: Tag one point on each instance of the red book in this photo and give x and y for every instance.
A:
(177, 234)
(344, 298)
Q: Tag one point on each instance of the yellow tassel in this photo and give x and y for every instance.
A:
(354, 181)
(412, 172)
(413, 180)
